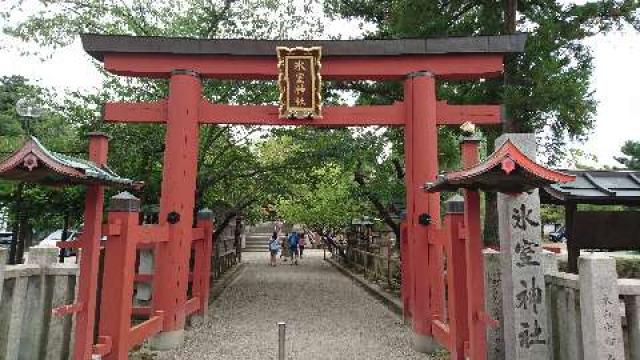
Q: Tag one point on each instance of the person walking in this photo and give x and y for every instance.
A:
(274, 248)
(278, 226)
(293, 241)
(284, 247)
(301, 244)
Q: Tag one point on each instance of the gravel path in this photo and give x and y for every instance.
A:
(327, 316)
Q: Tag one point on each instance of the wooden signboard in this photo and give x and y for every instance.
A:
(299, 82)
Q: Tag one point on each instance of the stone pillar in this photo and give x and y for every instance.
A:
(43, 256)
(35, 300)
(523, 288)
(4, 255)
(632, 311)
(493, 303)
(600, 308)
(145, 267)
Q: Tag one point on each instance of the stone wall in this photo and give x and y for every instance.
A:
(28, 292)
(591, 316)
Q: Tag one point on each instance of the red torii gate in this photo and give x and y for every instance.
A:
(417, 62)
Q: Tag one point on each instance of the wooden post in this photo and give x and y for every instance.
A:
(573, 249)
(176, 205)
(202, 266)
(90, 253)
(457, 276)
(476, 315)
(405, 272)
(119, 273)
(421, 156)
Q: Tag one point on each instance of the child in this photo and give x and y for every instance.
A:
(274, 247)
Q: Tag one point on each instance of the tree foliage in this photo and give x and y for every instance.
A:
(631, 155)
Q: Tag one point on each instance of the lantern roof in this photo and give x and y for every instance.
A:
(34, 163)
(507, 170)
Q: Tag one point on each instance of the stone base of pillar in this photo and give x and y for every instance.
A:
(167, 340)
(424, 343)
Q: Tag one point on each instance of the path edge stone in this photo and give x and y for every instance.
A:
(393, 304)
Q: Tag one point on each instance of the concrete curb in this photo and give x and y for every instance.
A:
(394, 304)
(218, 287)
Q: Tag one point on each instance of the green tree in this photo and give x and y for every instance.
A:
(631, 152)
(34, 210)
(546, 89)
(230, 177)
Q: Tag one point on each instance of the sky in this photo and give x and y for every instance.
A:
(616, 81)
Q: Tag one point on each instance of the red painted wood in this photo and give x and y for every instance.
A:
(144, 330)
(477, 114)
(442, 333)
(202, 266)
(381, 115)
(192, 305)
(92, 232)
(405, 268)
(177, 195)
(103, 346)
(457, 284)
(475, 261)
(148, 234)
(117, 288)
(332, 116)
(421, 166)
(446, 66)
(141, 310)
(143, 112)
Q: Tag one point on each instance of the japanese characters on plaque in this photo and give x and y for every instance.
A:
(300, 82)
(523, 287)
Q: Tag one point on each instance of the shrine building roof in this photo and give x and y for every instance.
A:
(34, 163)
(507, 170)
(97, 45)
(604, 187)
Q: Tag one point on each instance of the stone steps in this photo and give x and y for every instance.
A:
(257, 242)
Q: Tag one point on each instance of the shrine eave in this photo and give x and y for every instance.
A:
(598, 187)
(97, 45)
(507, 170)
(33, 163)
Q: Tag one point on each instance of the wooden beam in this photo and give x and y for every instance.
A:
(477, 114)
(333, 116)
(444, 66)
(383, 115)
(144, 112)
(142, 331)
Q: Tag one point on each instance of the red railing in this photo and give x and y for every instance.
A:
(125, 237)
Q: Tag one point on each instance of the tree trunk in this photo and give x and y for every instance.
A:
(382, 210)
(510, 18)
(490, 231)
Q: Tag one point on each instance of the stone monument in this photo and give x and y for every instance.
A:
(523, 287)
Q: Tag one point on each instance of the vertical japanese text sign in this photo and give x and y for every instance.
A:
(299, 82)
(523, 288)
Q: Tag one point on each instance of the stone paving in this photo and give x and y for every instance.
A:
(327, 315)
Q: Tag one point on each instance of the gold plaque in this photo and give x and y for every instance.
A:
(300, 82)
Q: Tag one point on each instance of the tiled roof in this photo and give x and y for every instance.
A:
(36, 164)
(507, 170)
(97, 45)
(596, 187)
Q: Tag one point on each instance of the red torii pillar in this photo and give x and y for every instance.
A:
(177, 203)
(421, 163)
